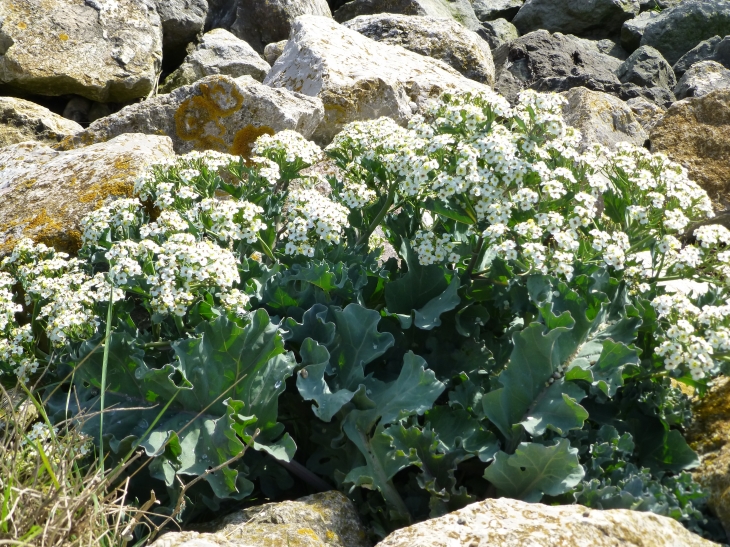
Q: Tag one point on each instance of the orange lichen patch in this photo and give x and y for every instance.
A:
(63, 37)
(244, 139)
(49, 231)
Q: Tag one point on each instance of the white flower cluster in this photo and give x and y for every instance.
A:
(288, 146)
(311, 218)
(16, 355)
(434, 249)
(357, 195)
(232, 220)
(117, 217)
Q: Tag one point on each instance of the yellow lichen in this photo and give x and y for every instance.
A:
(244, 139)
(22, 25)
(63, 36)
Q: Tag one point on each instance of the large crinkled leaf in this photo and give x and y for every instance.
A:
(558, 409)
(456, 428)
(535, 470)
(429, 316)
(314, 325)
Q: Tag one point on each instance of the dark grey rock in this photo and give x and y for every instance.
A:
(614, 49)
(660, 96)
(715, 49)
(633, 29)
(498, 32)
(658, 4)
(646, 67)
(461, 10)
(701, 78)
(489, 10)
(583, 17)
(182, 21)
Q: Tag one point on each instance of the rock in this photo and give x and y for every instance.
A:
(633, 30)
(273, 51)
(661, 96)
(677, 30)
(45, 193)
(498, 32)
(702, 78)
(552, 62)
(646, 67)
(328, 519)
(646, 112)
(601, 118)
(182, 21)
(714, 49)
(594, 17)
(696, 133)
(442, 39)
(614, 49)
(215, 113)
(358, 78)
(103, 50)
(460, 10)
(512, 523)
(219, 52)
(260, 23)
(77, 109)
(22, 120)
(489, 10)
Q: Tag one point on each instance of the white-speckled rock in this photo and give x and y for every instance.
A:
(22, 120)
(701, 78)
(358, 78)
(511, 523)
(460, 10)
(105, 50)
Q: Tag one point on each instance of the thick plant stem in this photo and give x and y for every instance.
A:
(104, 366)
(379, 217)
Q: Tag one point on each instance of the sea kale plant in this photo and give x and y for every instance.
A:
(476, 305)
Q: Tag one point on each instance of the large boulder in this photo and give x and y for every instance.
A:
(260, 23)
(584, 17)
(633, 30)
(646, 112)
(45, 193)
(22, 120)
(646, 67)
(498, 32)
(677, 30)
(696, 133)
(511, 523)
(460, 10)
(215, 113)
(601, 118)
(714, 49)
(219, 52)
(702, 78)
(182, 21)
(442, 39)
(328, 519)
(489, 10)
(358, 78)
(105, 51)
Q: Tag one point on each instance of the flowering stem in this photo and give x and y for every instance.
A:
(266, 248)
(104, 366)
(474, 256)
(379, 217)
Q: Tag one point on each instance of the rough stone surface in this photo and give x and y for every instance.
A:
(601, 118)
(594, 17)
(442, 39)
(696, 133)
(22, 120)
(702, 78)
(219, 52)
(45, 193)
(677, 30)
(105, 50)
(215, 113)
(498, 32)
(489, 10)
(461, 10)
(646, 67)
(646, 112)
(633, 29)
(552, 62)
(260, 23)
(182, 21)
(660, 96)
(714, 49)
(273, 51)
(321, 520)
(512, 523)
(358, 78)
(614, 49)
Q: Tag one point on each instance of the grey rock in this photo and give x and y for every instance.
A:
(583, 17)
(714, 49)
(260, 23)
(219, 52)
(22, 120)
(109, 51)
(489, 10)
(273, 51)
(84, 111)
(442, 39)
(217, 112)
(614, 49)
(658, 4)
(182, 21)
(498, 32)
(677, 30)
(701, 78)
(460, 10)
(633, 29)
(646, 67)
(661, 96)
(646, 112)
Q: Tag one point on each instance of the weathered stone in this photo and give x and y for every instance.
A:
(215, 113)
(105, 50)
(45, 193)
(321, 520)
(273, 51)
(586, 17)
(358, 78)
(633, 29)
(614, 49)
(489, 10)
(696, 133)
(552, 62)
(702, 78)
(661, 96)
(182, 21)
(219, 52)
(442, 39)
(714, 49)
(646, 112)
(677, 30)
(498, 32)
(601, 118)
(460, 10)
(22, 120)
(511, 523)
(84, 111)
(260, 23)
(646, 67)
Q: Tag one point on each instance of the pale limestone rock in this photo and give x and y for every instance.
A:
(215, 113)
(357, 78)
(22, 120)
(45, 193)
(646, 112)
(459, 10)
(104, 50)
(512, 523)
(701, 78)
